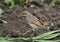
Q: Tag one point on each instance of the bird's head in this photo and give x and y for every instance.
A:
(24, 13)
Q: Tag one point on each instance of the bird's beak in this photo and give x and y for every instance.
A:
(21, 15)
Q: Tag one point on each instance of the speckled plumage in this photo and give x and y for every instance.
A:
(33, 21)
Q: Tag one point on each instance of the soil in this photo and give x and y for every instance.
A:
(17, 26)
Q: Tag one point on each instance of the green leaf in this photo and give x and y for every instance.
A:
(47, 40)
(22, 2)
(5, 41)
(52, 3)
(45, 34)
(1, 11)
(10, 2)
(42, 1)
(7, 1)
(58, 1)
(3, 21)
(51, 36)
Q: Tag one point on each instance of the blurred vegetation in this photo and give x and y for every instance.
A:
(11, 3)
(54, 2)
(45, 37)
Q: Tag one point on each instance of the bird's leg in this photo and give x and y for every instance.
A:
(34, 32)
(26, 32)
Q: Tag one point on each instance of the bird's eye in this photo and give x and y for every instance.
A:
(24, 14)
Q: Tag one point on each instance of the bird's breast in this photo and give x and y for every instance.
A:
(33, 26)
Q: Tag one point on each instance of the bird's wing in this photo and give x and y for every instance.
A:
(39, 22)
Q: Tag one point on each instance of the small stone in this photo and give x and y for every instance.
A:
(32, 6)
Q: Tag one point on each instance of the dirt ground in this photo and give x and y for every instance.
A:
(18, 26)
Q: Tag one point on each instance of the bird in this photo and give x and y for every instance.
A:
(33, 21)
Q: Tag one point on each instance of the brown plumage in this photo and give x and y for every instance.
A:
(33, 21)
